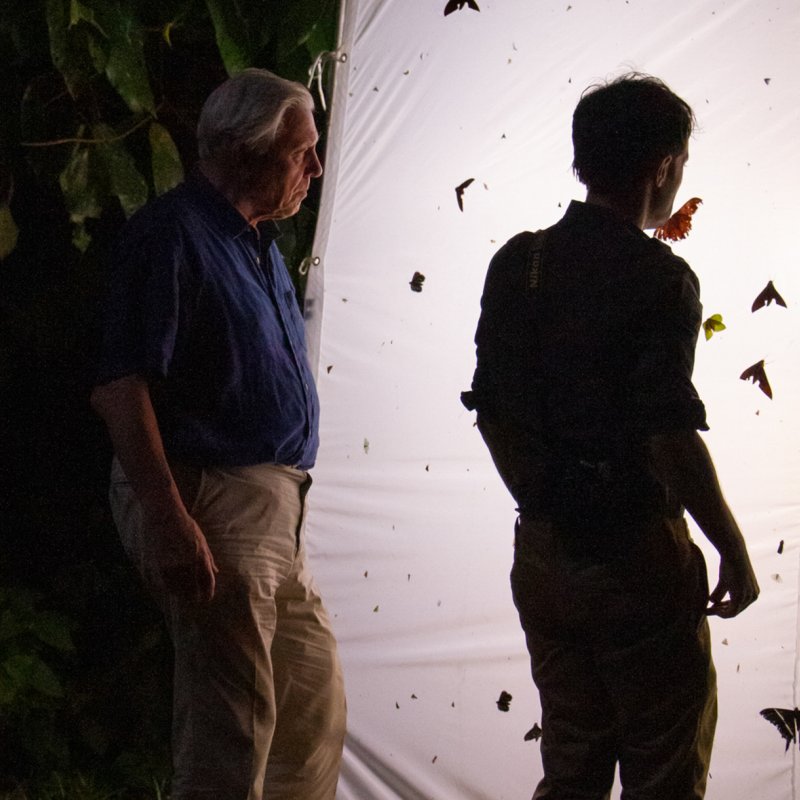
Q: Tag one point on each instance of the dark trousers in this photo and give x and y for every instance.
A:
(620, 653)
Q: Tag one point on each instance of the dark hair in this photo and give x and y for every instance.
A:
(623, 128)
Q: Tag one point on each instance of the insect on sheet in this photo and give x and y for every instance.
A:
(450, 133)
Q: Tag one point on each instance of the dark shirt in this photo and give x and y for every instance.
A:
(202, 306)
(601, 357)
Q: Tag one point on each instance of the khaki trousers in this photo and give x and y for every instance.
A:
(259, 708)
(621, 655)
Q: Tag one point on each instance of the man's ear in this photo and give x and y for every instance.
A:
(663, 171)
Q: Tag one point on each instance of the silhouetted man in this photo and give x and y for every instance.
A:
(583, 387)
(206, 390)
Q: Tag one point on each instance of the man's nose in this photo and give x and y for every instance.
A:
(315, 167)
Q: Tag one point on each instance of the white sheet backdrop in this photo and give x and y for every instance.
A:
(410, 530)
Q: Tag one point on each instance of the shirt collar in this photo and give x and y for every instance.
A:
(224, 215)
(600, 215)
(268, 231)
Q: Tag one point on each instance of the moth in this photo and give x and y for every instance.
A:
(766, 296)
(758, 375)
(416, 282)
(457, 5)
(460, 192)
(785, 720)
(504, 701)
(680, 223)
(534, 734)
(712, 325)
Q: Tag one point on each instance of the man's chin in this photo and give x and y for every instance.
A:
(287, 211)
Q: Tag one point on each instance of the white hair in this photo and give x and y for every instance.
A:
(245, 114)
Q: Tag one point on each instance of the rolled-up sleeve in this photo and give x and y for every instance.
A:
(663, 397)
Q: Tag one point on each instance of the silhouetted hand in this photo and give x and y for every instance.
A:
(738, 583)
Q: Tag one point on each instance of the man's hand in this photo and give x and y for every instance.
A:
(184, 559)
(738, 582)
(182, 555)
(682, 463)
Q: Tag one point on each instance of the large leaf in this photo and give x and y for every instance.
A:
(65, 50)
(9, 233)
(232, 34)
(298, 24)
(96, 40)
(82, 191)
(80, 11)
(98, 49)
(322, 36)
(125, 68)
(57, 25)
(83, 194)
(28, 670)
(123, 178)
(167, 166)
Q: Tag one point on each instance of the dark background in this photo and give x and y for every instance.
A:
(84, 663)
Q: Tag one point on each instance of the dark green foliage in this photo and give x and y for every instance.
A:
(100, 100)
(33, 645)
(106, 93)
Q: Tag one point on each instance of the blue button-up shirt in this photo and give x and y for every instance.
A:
(201, 305)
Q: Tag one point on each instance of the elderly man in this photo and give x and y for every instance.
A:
(206, 391)
(585, 398)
